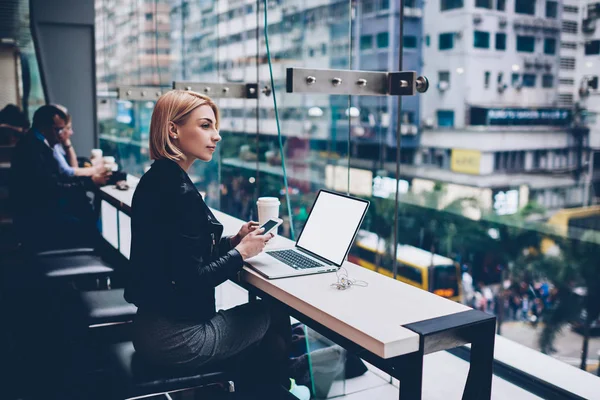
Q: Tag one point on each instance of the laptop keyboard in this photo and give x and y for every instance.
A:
(294, 259)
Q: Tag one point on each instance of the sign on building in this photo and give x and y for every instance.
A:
(519, 116)
(465, 161)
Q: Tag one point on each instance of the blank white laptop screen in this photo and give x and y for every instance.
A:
(331, 226)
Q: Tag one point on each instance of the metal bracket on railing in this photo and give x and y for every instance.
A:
(139, 93)
(221, 90)
(356, 83)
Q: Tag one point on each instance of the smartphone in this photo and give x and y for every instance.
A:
(271, 225)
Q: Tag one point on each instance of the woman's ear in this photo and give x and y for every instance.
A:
(173, 131)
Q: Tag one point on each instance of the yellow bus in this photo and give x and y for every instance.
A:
(572, 223)
(416, 267)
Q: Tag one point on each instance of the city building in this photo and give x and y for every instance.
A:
(132, 43)
(498, 117)
(314, 34)
(587, 90)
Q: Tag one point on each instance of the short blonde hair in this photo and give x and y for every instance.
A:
(174, 106)
(64, 109)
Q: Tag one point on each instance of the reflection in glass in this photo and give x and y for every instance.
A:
(497, 169)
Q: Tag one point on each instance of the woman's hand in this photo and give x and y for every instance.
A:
(253, 243)
(244, 231)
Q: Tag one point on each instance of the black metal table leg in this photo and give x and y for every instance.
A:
(479, 380)
(409, 371)
(436, 334)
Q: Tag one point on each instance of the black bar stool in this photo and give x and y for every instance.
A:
(133, 378)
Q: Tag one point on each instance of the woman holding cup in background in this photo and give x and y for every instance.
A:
(65, 155)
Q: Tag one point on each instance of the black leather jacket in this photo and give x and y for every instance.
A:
(178, 256)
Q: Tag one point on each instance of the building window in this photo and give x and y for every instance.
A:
(486, 79)
(445, 118)
(382, 40)
(410, 42)
(525, 7)
(551, 9)
(427, 40)
(567, 81)
(549, 46)
(368, 6)
(483, 4)
(366, 42)
(385, 4)
(547, 81)
(500, 41)
(569, 26)
(408, 117)
(526, 44)
(592, 47)
(148, 16)
(446, 41)
(571, 9)
(451, 4)
(481, 40)
(514, 79)
(529, 80)
(501, 5)
(444, 76)
(497, 161)
(568, 45)
(500, 77)
(567, 63)
(565, 99)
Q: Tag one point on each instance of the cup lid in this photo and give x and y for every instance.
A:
(267, 200)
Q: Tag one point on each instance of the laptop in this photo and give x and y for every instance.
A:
(324, 242)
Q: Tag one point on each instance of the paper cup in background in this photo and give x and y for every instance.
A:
(96, 157)
(110, 164)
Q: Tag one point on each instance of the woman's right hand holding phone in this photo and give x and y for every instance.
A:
(253, 243)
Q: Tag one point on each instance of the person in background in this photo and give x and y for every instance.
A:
(488, 295)
(467, 286)
(65, 155)
(40, 195)
(13, 124)
(179, 256)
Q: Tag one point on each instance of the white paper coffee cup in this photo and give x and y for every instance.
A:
(268, 207)
(96, 153)
(96, 157)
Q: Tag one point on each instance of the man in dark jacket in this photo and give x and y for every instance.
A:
(50, 209)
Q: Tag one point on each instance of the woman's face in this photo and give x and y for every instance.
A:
(198, 137)
(67, 132)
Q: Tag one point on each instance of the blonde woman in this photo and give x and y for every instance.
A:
(65, 155)
(179, 256)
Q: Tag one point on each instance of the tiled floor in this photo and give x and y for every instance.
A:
(444, 374)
